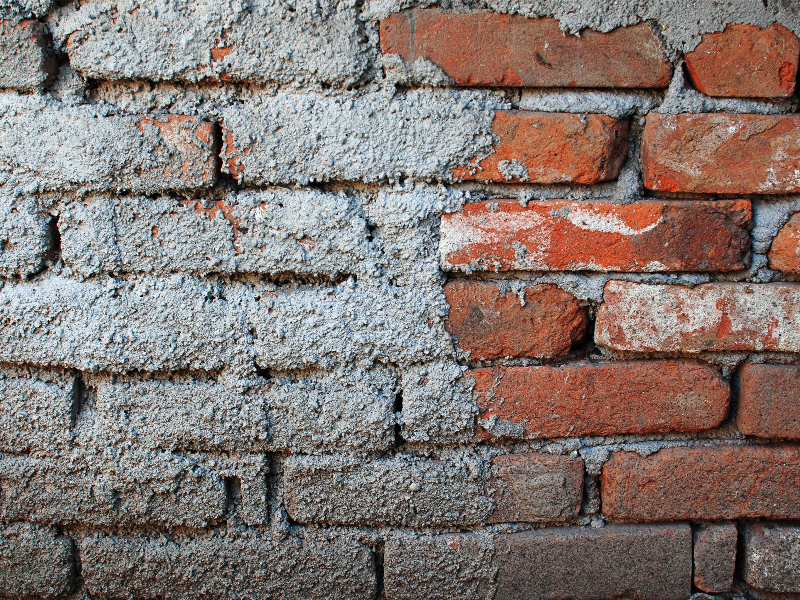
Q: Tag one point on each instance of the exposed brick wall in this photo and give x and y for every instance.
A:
(398, 300)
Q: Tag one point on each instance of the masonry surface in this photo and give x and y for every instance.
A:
(399, 299)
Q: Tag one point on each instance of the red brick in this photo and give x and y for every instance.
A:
(784, 254)
(491, 324)
(745, 61)
(734, 482)
(559, 235)
(721, 153)
(491, 49)
(768, 403)
(599, 399)
(715, 556)
(535, 487)
(551, 148)
(713, 316)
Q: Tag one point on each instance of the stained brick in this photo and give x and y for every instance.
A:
(714, 556)
(491, 323)
(784, 254)
(559, 235)
(721, 153)
(770, 560)
(312, 564)
(714, 316)
(599, 399)
(768, 403)
(27, 62)
(492, 49)
(746, 61)
(703, 483)
(551, 148)
(651, 562)
(34, 562)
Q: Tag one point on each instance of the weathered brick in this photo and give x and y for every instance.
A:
(703, 483)
(265, 42)
(559, 235)
(714, 316)
(273, 232)
(47, 145)
(539, 147)
(647, 562)
(489, 322)
(599, 399)
(27, 64)
(493, 49)
(24, 236)
(36, 410)
(721, 153)
(771, 557)
(409, 491)
(34, 562)
(768, 403)
(143, 488)
(715, 556)
(784, 254)
(255, 565)
(357, 136)
(744, 61)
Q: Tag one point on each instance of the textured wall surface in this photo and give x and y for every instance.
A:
(398, 299)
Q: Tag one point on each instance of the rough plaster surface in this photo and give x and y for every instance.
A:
(34, 562)
(24, 236)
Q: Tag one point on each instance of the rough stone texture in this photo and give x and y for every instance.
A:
(272, 232)
(36, 410)
(551, 148)
(47, 145)
(771, 557)
(721, 153)
(784, 254)
(646, 562)
(34, 562)
(768, 403)
(714, 316)
(703, 483)
(110, 488)
(745, 61)
(26, 62)
(372, 136)
(535, 487)
(257, 566)
(24, 236)
(487, 322)
(262, 41)
(485, 49)
(558, 235)
(582, 399)
(714, 556)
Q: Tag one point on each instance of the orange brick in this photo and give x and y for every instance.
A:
(575, 400)
(768, 402)
(784, 254)
(551, 148)
(491, 49)
(559, 235)
(744, 482)
(490, 324)
(746, 62)
(721, 153)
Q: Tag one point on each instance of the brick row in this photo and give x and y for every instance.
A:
(559, 235)
(410, 491)
(647, 562)
(492, 49)
(27, 61)
(35, 562)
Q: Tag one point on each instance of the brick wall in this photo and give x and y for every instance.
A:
(390, 300)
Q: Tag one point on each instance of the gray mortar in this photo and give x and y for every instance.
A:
(620, 105)
(371, 136)
(27, 61)
(25, 8)
(49, 145)
(34, 562)
(301, 42)
(254, 565)
(420, 72)
(24, 236)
